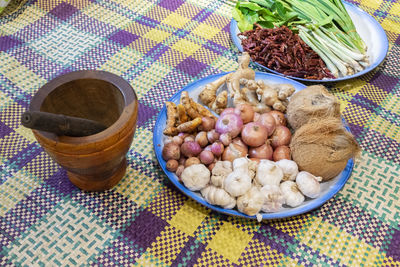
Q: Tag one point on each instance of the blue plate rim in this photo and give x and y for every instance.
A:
(313, 204)
(380, 59)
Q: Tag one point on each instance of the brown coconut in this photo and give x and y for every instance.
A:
(323, 147)
(312, 102)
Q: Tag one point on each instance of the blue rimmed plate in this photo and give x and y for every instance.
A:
(367, 27)
(328, 189)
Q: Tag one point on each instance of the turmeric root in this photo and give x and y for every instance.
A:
(189, 126)
(203, 111)
(190, 109)
(182, 117)
(170, 128)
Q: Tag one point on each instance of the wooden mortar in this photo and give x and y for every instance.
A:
(96, 162)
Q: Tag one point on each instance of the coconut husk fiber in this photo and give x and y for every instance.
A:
(312, 102)
(323, 147)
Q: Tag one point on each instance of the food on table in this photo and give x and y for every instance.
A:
(312, 102)
(324, 25)
(323, 147)
(243, 158)
(285, 52)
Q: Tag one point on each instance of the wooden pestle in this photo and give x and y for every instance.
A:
(60, 124)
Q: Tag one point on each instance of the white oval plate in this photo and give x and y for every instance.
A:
(328, 189)
(367, 27)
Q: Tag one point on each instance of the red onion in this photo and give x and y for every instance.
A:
(262, 152)
(281, 152)
(171, 151)
(207, 124)
(281, 136)
(182, 160)
(201, 139)
(254, 134)
(183, 135)
(207, 148)
(279, 117)
(217, 148)
(168, 140)
(177, 140)
(268, 121)
(172, 165)
(191, 161)
(245, 111)
(212, 136)
(226, 111)
(206, 157)
(229, 123)
(190, 149)
(225, 139)
(234, 151)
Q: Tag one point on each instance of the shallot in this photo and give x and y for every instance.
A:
(171, 151)
(172, 165)
(207, 124)
(262, 152)
(281, 136)
(279, 117)
(245, 111)
(225, 139)
(201, 138)
(212, 136)
(254, 134)
(229, 123)
(268, 121)
(281, 152)
(217, 149)
(206, 157)
(190, 149)
(234, 151)
(191, 161)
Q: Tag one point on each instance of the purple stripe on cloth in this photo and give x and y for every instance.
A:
(191, 66)
(60, 182)
(216, 48)
(144, 229)
(157, 51)
(190, 253)
(120, 253)
(123, 37)
(63, 11)
(202, 15)
(397, 42)
(171, 5)
(364, 102)
(7, 42)
(26, 155)
(4, 129)
(384, 81)
(38, 28)
(356, 130)
(148, 21)
(394, 246)
(145, 113)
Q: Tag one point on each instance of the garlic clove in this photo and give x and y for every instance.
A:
(274, 198)
(292, 194)
(289, 168)
(308, 184)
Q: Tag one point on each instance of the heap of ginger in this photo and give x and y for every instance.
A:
(261, 96)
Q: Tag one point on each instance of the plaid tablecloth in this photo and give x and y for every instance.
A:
(160, 46)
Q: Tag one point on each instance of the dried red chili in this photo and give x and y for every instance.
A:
(283, 51)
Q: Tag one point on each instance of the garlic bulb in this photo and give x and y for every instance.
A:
(292, 194)
(218, 196)
(274, 199)
(251, 202)
(241, 163)
(308, 184)
(237, 183)
(196, 177)
(268, 173)
(220, 172)
(289, 168)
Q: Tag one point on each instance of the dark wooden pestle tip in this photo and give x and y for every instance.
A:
(60, 124)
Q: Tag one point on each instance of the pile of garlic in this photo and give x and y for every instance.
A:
(250, 186)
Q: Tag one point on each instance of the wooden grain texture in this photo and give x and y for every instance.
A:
(95, 162)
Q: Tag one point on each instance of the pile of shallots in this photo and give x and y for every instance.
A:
(238, 132)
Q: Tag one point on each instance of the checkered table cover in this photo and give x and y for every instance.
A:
(159, 46)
